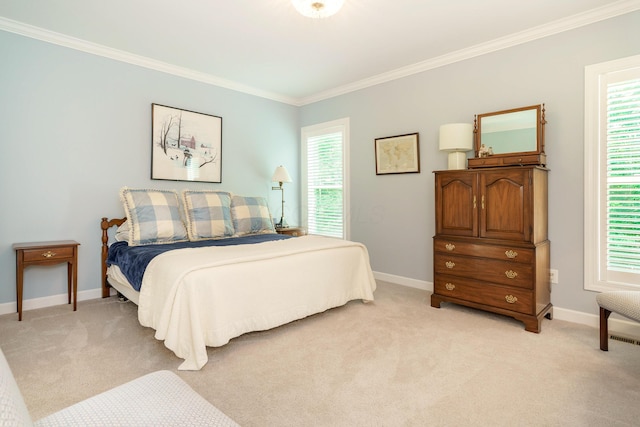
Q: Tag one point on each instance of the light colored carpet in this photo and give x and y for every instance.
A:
(394, 362)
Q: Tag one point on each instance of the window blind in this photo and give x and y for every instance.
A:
(325, 211)
(623, 180)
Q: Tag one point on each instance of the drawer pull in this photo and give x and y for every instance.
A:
(511, 274)
(449, 286)
(450, 264)
(511, 299)
(49, 254)
(450, 246)
(511, 254)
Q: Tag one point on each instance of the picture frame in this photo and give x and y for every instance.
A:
(185, 145)
(397, 154)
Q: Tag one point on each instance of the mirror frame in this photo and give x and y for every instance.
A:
(534, 157)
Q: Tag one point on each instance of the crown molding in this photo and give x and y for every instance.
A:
(579, 20)
(130, 58)
(575, 21)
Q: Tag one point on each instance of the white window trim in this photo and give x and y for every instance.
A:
(594, 185)
(339, 125)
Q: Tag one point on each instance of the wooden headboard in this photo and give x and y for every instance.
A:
(105, 225)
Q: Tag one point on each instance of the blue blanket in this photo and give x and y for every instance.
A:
(133, 260)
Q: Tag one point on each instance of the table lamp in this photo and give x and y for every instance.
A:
(280, 175)
(457, 139)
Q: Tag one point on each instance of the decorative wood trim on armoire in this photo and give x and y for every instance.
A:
(491, 249)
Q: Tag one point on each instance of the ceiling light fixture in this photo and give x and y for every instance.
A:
(317, 8)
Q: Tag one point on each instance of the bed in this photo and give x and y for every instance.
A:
(198, 295)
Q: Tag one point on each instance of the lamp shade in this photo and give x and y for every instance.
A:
(281, 175)
(317, 8)
(456, 137)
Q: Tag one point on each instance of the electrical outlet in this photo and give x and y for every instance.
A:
(553, 276)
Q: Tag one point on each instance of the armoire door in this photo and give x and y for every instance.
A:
(456, 203)
(505, 204)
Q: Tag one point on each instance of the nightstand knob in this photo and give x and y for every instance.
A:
(449, 286)
(450, 264)
(49, 254)
(511, 299)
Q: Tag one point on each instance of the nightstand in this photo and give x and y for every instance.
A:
(292, 231)
(47, 253)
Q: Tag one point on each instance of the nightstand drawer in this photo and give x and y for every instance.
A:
(47, 254)
(494, 271)
(519, 300)
(506, 253)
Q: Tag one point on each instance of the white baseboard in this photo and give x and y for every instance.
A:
(404, 281)
(33, 303)
(617, 325)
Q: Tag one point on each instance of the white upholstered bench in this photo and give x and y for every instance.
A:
(160, 398)
(625, 303)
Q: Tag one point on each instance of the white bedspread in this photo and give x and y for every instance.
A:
(201, 297)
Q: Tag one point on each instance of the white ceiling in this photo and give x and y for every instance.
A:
(265, 47)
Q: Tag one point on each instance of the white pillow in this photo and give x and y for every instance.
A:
(122, 232)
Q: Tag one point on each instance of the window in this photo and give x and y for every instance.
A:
(612, 175)
(325, 205)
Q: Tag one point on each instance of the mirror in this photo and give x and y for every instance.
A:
(509, 137)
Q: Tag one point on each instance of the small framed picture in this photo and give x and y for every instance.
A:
(185, 145)
(397, 154)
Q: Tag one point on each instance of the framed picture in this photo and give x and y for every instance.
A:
(397, 154)
(185, 145)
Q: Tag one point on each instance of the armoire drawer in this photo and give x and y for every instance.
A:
(508, 298)
(506, 252)
(489, 270)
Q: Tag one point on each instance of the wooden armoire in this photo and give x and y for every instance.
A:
(491, 248)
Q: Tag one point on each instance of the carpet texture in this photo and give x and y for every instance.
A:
(394, 362)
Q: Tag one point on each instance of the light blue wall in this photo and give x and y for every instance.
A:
(77, 127)
(394, 215)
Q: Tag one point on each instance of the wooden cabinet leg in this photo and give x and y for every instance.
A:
(531, 325)
(19, 281)
(435, 301)
(69, 276)
(75, 281)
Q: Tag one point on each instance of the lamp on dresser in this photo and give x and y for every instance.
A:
(280, 175)
(456, 138)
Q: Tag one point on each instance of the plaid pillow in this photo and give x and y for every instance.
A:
(154, 216)
(208, 214)
(251, 216)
